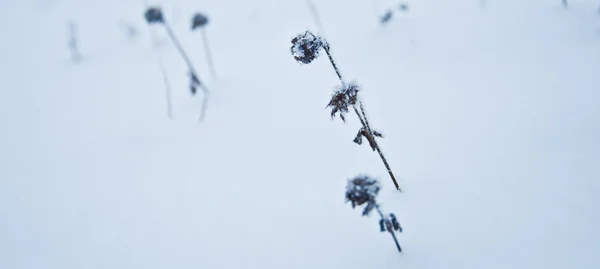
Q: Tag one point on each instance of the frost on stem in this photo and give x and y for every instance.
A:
(345, 96)
(361, 190)
(363, 133)
(307, 47)
(154, 15)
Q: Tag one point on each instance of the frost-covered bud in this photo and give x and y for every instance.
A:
(361, 190)
(306, 47)
(199, 20)
(154, 15)
(345, 96)
(382, 225)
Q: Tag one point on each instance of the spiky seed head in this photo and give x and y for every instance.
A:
(307, 47)
(345, 96)
(199, 20)
(154, 15)
(360, 190)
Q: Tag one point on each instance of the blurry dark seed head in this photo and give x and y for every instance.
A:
(199, 20)
(306, 47)
(361, 190)
(154, 15)
(387, 17)
(404, 7)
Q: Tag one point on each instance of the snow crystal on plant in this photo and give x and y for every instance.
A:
(342, 98)
(306, 47)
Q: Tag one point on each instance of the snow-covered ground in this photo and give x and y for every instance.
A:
(491, 118)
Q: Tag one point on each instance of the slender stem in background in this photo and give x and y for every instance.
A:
(211, 67)
(163, 71)
(203, 109)
(192, 69)
(315, 14)
(183, 54)
(72, 29)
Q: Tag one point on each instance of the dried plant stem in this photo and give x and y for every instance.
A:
(396, 241)
(163, 71)
(364, 121)
(365, 124)
(337, 70)
(388, 227)
(376, 145)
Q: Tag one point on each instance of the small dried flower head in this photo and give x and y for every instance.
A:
(361, 190)
(199, 20)
(306, 47)
(345, 96)
(154, 15)
(385, 18)
(404, 7)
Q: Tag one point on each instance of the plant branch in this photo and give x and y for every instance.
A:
(337, 70)
(365, 124)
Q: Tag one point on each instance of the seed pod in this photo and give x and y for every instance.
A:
(306, 47)
(154, 15)
(199, 20)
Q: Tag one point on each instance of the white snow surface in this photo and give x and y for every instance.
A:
(491, 120)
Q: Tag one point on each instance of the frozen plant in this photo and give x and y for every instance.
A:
(305, 49)
(154, 15)
(199, 21)
(363, 190)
